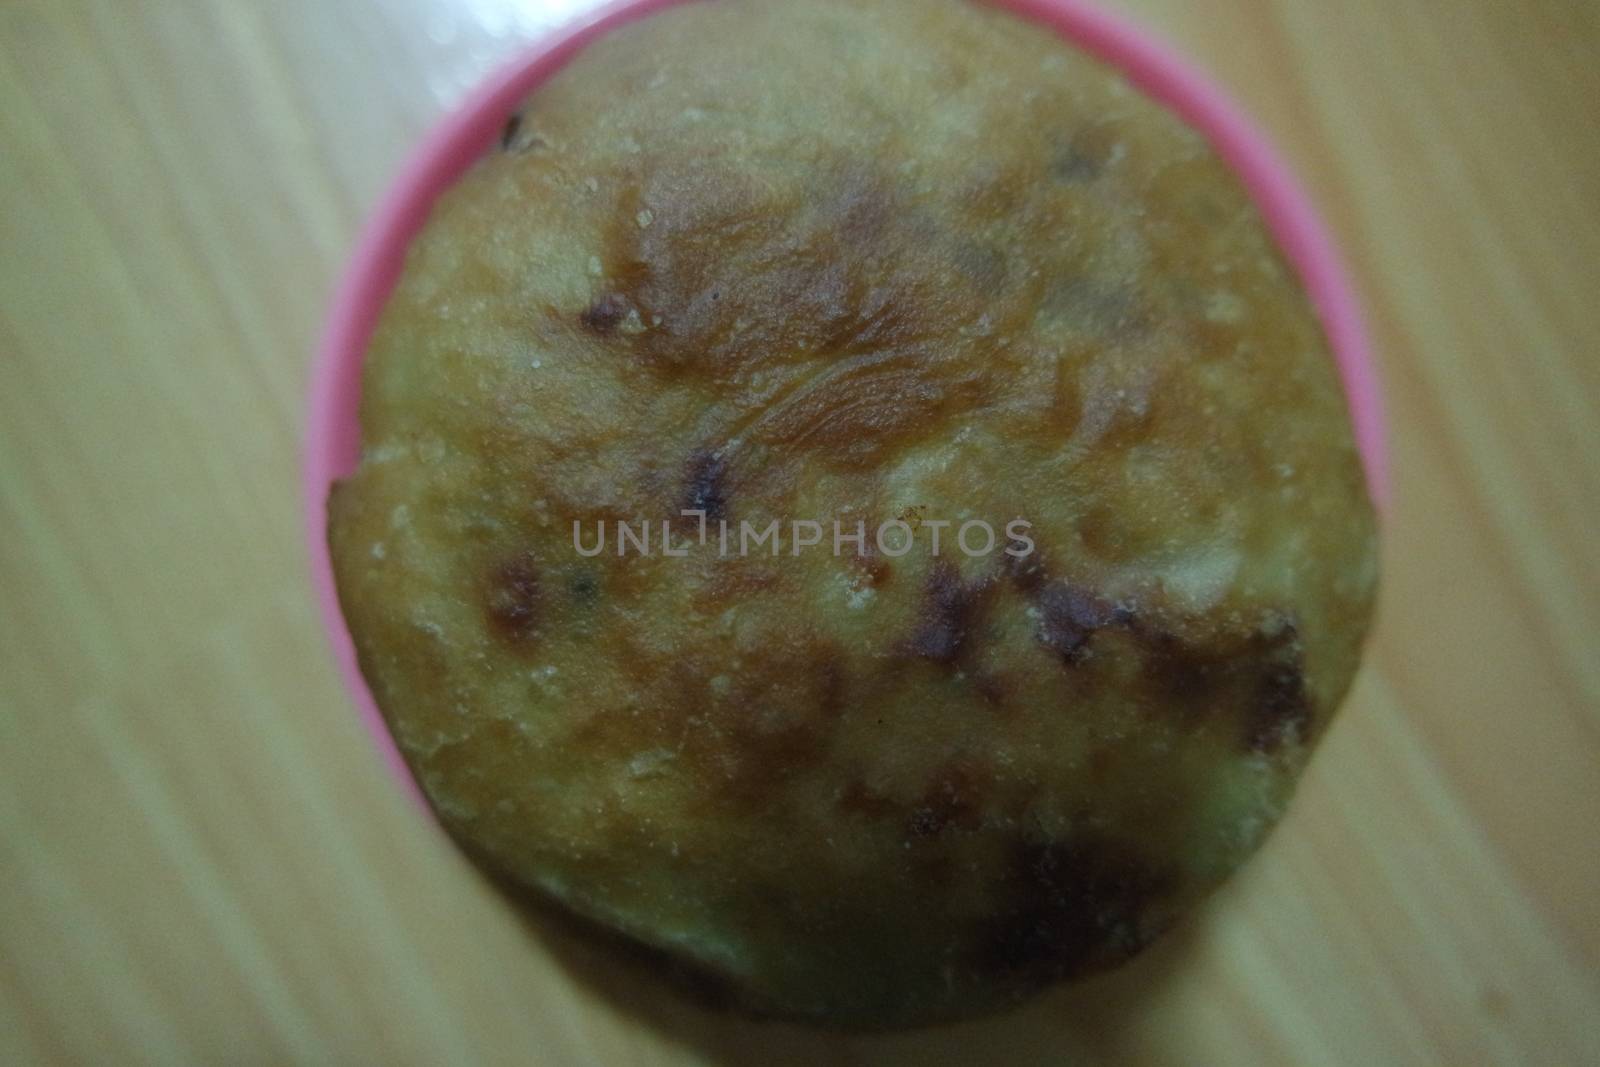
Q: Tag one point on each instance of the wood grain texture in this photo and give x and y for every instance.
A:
(201, 861)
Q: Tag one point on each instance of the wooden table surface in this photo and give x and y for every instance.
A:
(201, 861)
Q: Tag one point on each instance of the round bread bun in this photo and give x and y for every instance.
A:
(906, 262)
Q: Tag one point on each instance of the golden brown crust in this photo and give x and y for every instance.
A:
(855, 261)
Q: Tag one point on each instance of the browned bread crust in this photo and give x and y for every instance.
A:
(855, 261)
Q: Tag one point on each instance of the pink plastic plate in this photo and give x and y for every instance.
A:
(333, 433)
